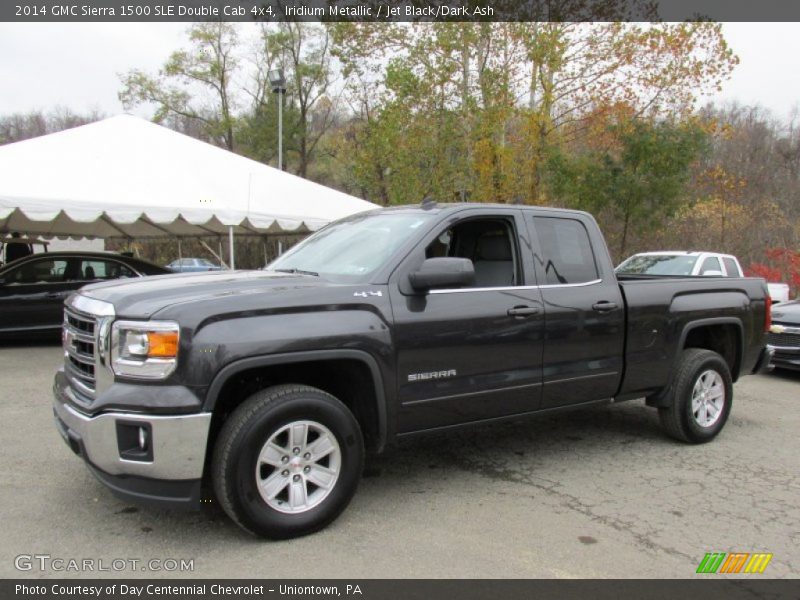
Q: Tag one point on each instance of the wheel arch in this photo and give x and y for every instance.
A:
(352, 376)
(723, 335)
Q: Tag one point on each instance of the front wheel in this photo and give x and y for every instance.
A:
(287, 461)
(701, 397)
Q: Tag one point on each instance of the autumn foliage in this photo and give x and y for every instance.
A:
(782, 265)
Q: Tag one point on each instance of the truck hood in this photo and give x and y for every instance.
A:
(142, 298)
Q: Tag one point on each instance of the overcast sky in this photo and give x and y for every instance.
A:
(75, 65)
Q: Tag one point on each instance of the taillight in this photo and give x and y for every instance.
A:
(768, 312)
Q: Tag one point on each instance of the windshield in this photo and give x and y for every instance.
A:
(658, 264)
(353, 249)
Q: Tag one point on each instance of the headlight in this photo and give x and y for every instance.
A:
(144, 349)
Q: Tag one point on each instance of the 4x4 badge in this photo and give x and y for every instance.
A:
(365, 294)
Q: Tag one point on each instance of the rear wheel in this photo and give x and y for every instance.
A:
(287, 461)
(701, 397)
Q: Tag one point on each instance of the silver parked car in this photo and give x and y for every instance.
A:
(192, 265)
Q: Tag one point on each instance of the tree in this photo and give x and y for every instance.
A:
(18, 126)
(639, 180)
(782, 266)
(303, 51)
(358, 145)
(308, 56)
(578, 69)
(194, 84)
(753, 170)
(476, 107)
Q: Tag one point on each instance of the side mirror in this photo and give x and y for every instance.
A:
(713, 273)
(442, 273)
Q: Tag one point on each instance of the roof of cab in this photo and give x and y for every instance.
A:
(445, 207)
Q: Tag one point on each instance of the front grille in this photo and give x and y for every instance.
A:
(79, 350)
(783, 340)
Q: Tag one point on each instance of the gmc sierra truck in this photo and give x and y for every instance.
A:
(273, 385)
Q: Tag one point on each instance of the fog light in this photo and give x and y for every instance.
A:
(135, 441)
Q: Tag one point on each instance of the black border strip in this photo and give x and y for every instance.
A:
(712, 587)
(398, 10)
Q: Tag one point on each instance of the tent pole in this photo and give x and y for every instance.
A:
(230, 244)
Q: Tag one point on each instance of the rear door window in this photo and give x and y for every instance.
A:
(567, 255)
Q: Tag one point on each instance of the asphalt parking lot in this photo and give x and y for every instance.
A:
(599, 493)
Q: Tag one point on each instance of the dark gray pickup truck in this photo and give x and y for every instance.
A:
(273, 385)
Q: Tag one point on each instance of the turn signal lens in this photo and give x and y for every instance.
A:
(163, 344)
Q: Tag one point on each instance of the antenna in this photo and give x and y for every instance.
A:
(428, 203)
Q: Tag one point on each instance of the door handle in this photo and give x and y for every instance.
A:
(522, 311)
(55, 295)
(604, 306)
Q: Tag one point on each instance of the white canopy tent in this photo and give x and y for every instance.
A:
(127, 177)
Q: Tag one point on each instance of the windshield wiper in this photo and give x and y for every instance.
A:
(297, 272)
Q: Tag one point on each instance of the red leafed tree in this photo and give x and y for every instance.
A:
(782, 266)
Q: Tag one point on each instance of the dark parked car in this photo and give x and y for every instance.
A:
(33, 288)
(192, 265)
(784, 335)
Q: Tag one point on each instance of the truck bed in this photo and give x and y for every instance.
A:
(656, 329)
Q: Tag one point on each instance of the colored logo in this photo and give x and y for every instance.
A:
(734, 562)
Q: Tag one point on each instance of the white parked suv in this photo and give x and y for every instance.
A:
(683, 263)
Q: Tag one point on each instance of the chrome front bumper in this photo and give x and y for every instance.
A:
(178, 443)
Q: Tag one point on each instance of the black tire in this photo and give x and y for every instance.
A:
(245, 433)
(678, 419)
